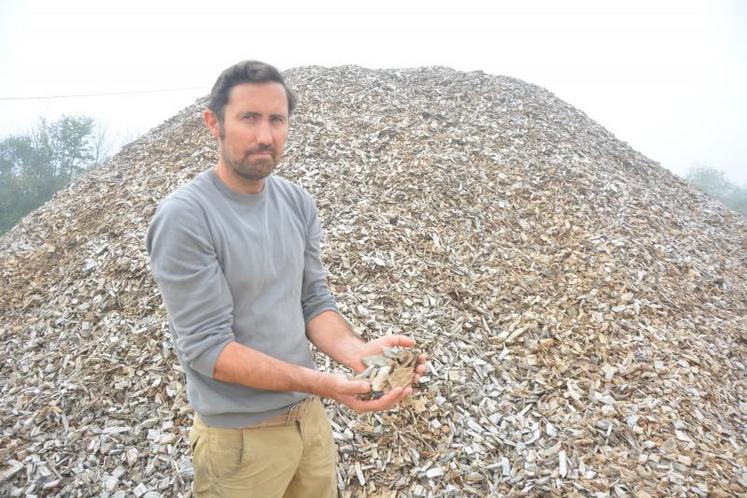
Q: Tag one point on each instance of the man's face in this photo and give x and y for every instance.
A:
(254, 130)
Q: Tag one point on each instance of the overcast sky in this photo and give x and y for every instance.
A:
(668, 77)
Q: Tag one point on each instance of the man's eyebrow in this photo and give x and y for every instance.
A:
(254, 113)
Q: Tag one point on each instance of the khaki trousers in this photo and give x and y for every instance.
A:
(291, 455)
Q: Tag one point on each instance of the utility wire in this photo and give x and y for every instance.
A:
(105, 94)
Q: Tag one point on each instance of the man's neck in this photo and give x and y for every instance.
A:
(236, 182)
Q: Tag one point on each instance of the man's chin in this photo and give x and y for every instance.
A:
(255, 173)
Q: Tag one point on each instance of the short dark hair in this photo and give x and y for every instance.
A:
(245, 72)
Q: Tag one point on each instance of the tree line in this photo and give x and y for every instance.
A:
(714, 183)
(35, 165)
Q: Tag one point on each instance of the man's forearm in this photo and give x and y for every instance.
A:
(240, 364)
(333, 336)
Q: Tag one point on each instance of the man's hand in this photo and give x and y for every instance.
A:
(332, 335)
(346, 391)
(388, 341)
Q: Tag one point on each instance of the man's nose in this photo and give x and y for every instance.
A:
(264, 133)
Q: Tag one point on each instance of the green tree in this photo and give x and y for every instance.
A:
(714, 183)
(36, 165)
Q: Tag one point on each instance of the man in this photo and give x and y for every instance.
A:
(236, 256)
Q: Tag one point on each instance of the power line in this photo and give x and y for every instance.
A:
(104, 94)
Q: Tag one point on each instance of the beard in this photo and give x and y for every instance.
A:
(250, 166)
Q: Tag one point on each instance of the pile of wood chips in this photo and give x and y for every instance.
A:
(584, 310)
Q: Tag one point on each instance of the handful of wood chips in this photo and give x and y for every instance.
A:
(394, 367)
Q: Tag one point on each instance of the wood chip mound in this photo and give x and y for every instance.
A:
(584, 311)
(394, 367)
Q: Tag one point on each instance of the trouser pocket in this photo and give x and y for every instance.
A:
(225, 448)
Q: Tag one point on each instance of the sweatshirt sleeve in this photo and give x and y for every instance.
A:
(191, 281)
(315, 295)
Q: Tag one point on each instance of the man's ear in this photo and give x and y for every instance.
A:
(211, 121)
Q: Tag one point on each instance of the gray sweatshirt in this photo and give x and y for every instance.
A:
(242, 267)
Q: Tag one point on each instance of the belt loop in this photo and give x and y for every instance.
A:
(304, 406)
(298, 410)
(289, 419)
